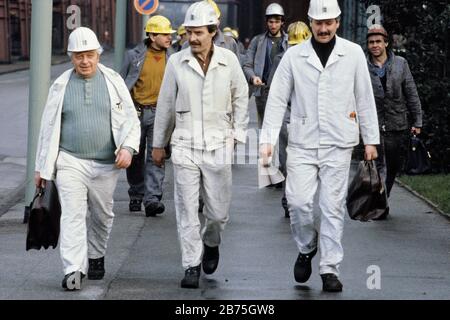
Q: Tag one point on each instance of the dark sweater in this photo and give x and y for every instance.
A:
(323, 50)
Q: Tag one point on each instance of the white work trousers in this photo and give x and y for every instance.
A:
(210, 171)
(305, 168)
(84, 185)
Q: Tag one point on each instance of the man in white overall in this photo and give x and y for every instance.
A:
(89, 131)
(203, 105)
(327, 81)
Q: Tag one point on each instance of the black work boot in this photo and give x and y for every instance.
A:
(191, 278)
(154, 208)
(72, 281)
(302, 268)
(210, 259)
(96, 269)
(331, 283)
(135, 205)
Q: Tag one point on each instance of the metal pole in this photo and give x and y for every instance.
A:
(40, 64)
(120, 33)
(144, 23)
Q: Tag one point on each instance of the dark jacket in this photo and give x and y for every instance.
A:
(399, 107)
(255, 58)
(275, 63)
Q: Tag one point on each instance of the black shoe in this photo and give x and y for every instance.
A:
(302, 268)
(210, 259)
(191, 278)
(331, 283)
(154, 208)
(278, 185)
(96, 269)
(135, 205)
(72, 281)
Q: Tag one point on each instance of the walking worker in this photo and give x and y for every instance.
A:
(297, 33)
(220, 39)
(397, 101)
(260, 55)
(203, 106)
(182, 38)
(234, 34)
(327, 81)
(143, 71)
(89, 130)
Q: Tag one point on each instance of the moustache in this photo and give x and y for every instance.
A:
(324, 34)
(195, 43)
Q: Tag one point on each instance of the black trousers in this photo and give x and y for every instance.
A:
(392, 153)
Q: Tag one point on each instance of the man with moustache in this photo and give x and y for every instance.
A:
(203, 107)
(143, 71)
(261, 53)
(327, 81)
(397, 102)
(220, 40)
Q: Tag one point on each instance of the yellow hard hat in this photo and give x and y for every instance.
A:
(227, 31)
(235, 33)
(181, 30)
(159, 24)
(298, 32)
(216, 8)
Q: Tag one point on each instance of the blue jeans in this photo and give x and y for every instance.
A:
(144, 177)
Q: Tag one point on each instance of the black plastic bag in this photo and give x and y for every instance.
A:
(45, 215)
(419, 159)
(366, 198)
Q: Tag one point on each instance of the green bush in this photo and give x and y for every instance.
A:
(426, 26)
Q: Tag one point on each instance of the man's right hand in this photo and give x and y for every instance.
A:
(158, 156)
(38, 181)
(257, 81)
(265, 152)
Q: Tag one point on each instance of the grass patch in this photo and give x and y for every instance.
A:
(433, 187)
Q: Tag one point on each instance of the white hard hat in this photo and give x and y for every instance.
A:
(274, 9)
(324, 9)
(83, 39)
(200, 14)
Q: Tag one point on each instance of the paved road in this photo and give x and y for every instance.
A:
(411, 249)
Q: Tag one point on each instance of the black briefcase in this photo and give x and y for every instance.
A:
(419, 159)
(45, 216)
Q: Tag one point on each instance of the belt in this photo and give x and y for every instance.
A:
(144, 106)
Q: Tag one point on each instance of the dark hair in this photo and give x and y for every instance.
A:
(275, 16)
(147, 40)
(211, 29)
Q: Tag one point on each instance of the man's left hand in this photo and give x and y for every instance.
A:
(370, 152)
(123, 159)
(415, 130)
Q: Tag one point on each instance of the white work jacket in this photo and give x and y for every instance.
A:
(330, 106)
(202, 111)
(124, 120)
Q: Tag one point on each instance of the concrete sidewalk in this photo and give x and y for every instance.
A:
(410, 249)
